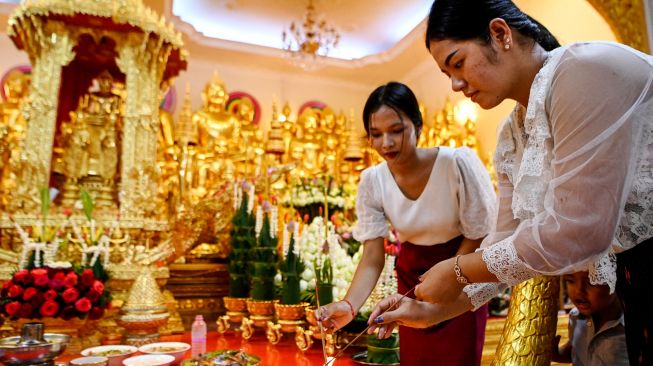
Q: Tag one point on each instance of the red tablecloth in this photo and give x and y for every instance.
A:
(283, 354)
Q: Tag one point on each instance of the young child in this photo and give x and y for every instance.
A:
(596, 325)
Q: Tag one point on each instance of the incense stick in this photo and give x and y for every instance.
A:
(322, 334)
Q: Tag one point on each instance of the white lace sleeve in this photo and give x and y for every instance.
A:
(502, 260)
(604, 271)
(481, 293)
(371, 222)
(476, 197)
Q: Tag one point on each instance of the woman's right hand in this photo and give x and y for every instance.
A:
(335, 315)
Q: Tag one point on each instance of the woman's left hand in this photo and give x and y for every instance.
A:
(439, 284)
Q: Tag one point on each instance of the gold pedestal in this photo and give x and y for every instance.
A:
(304, 338)
(236, 311)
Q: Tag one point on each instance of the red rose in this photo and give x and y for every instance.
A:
(15, 291)
(49, 308)
(50, 295)
(29, 293)
(83, 305)
(56, 284)
(7, 284)
(92, 295)
(70, 280)
(87, 278)
(38, 272)
(68, 312)
(12, 308)
(26, 311)
(98, 286)
(95, 313)
(37, 299)
(70, 295)
(59, 276)
(21, 275)
(41, 281)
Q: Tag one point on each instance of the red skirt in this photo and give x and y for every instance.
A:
(455, 342)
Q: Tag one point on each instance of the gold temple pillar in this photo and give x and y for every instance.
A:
(50, 49)
(143, 60)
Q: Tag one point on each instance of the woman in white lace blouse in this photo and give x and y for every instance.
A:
(574, 163)
(440, 202)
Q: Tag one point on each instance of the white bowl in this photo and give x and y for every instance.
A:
(114, 359)
(176, 349)
(90, 361)
(149, 360)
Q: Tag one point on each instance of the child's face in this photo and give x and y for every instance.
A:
(588, 298)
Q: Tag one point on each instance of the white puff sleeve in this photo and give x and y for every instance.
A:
(476, 198)
(372, 222)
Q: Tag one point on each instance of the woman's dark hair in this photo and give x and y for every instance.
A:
(397, 96)
(469, 19)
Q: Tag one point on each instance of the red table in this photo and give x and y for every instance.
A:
(282, 354)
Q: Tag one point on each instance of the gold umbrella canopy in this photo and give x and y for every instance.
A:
(27, 23)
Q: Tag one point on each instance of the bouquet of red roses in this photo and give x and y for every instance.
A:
(55, 292)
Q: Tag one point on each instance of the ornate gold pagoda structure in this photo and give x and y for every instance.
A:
(92, 112)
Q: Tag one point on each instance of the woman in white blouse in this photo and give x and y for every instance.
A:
(574, 163)
(440, 201)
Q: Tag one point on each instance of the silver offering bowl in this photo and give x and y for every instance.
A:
(32, 347)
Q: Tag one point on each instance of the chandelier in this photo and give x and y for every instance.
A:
(305, 41)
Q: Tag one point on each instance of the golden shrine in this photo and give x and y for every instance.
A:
(88, 119)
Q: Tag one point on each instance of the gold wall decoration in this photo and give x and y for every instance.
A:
(627, 19)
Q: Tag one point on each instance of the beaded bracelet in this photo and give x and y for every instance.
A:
(353, 312)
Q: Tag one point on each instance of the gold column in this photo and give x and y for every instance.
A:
(531, 324)
(142, 58)
(52, 48)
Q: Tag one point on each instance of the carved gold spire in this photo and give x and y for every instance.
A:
(187, 129)
(354, 151)
(144, 294)
(275, 144)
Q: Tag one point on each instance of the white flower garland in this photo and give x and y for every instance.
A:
(343, 265)
(259, 221)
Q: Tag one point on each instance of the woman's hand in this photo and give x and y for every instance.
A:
(398, 310)
(439, 284)
(335, 315)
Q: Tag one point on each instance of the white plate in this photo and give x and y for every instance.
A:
(148, 360)
(155, 349)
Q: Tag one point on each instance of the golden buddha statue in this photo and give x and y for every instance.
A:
(218, 129)
(305, 148)
(12, 127)
(250, 144)
(90, 147)
(288, 125)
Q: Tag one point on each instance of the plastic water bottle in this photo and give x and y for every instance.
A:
(198, 336)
